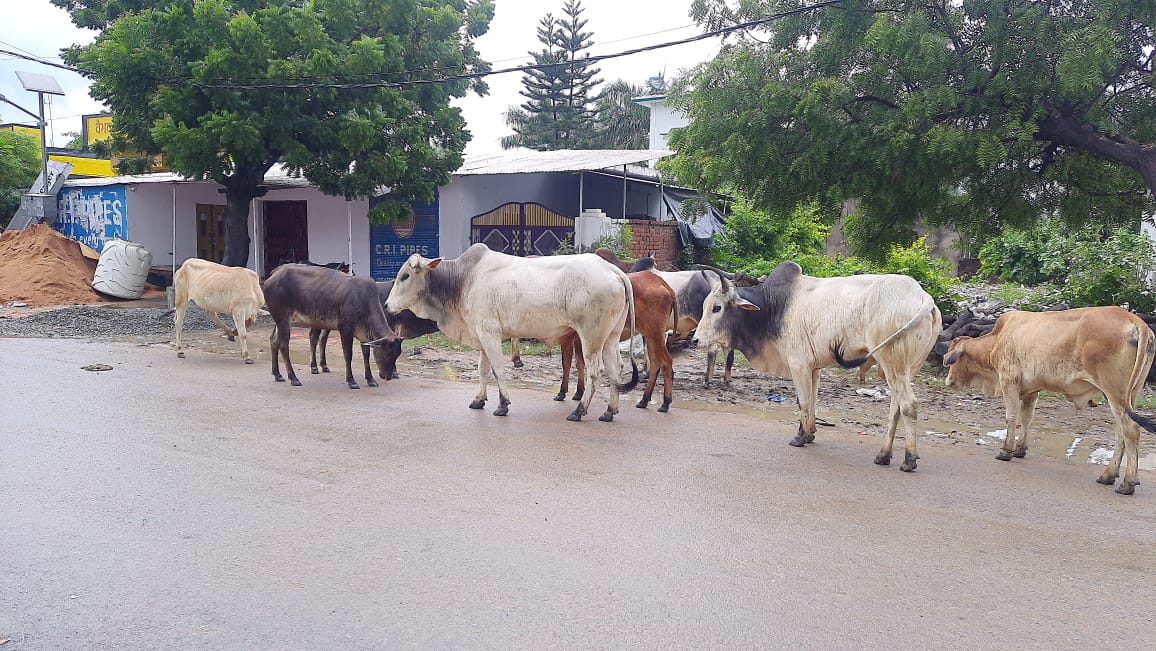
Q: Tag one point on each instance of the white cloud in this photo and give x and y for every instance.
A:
(618, 25)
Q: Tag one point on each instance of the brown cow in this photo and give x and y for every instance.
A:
(655, 304)
(1078, 353)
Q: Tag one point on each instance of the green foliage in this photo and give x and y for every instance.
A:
(934, 274)
(974, 114)
(558, 113)
(619, 123)
(1085, 266)
(226, 88)
(619, 242)
(19, 167)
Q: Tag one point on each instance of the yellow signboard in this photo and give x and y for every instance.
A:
(96, 128)
(23, 128)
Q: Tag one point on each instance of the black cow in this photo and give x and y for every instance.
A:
(317, 297)
(405, 324)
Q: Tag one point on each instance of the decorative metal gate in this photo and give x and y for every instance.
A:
(521, 229)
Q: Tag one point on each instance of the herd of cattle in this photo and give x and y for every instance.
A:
(787, 325)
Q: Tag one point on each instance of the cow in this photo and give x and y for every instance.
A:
(483, 296)
(217, 288)
(1078, 353)
(318, 297)
(655, 305)
(405, 325)
(795, 325)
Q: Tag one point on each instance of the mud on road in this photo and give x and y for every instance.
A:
(946, 416)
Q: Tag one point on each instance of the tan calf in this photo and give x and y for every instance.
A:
(1078, 353)
(217, 288)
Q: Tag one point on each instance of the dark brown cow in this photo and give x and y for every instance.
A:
(318, 297)
(655, 305)
(1078, 353)
(405, 325)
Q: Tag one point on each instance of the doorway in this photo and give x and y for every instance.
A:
(286, 233)
(210, 232)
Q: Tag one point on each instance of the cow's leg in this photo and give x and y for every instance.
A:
(1011, 402)
(216, 318)
(492, 350)
(483, 378)
(727, 370)
(317, 336)
(243, 337)
(1126, 453)
(710, 362)
(666, 364)
(611, 363)
(807, 391)
(182, 303)
(908, 404)
(567, 361)
(366, 353)
(515, 353)
(346, 332)
(1027, 413)
(580, 370)
(651, 378)
(884, 456)
(279, 341)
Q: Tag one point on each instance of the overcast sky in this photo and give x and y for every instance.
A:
(40, 29)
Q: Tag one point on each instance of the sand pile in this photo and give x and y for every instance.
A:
(42, 267)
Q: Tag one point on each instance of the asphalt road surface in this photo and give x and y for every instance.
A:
(195, 503)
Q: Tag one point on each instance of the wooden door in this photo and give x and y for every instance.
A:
(286, 233)
(210, 232)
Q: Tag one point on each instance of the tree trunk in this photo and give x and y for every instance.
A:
(240, 190)
(1066, 129)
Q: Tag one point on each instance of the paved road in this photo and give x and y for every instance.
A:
(197, 504)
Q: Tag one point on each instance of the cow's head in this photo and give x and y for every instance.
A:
(386, 350)
(718, 311)
(960, 371)
(411, 288)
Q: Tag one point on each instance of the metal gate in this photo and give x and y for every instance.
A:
(521, 229)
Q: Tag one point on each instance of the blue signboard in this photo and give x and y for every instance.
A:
(390, 245)
(92, 216)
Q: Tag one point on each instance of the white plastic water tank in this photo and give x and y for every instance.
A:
(122, 269)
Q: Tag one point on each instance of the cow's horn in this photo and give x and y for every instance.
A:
(377, 342)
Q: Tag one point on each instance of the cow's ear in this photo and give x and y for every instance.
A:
(952, 357)
(433, 264)
(746, 305)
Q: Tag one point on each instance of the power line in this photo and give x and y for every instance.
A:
(26, 57)
(488, 73)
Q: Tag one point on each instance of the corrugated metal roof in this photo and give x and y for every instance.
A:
(528, 161)
(277, 177)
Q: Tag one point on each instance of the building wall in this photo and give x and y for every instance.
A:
(467, 196)
(329, 226)
(659, 238)
(662, 120)
(151, 219)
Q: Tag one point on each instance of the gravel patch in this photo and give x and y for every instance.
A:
(91, 322)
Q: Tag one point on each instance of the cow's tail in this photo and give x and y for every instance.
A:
(629, 288)
(928, 307)
(1144, 348)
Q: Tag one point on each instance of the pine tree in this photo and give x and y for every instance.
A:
(558, 113)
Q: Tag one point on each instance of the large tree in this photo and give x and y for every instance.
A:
(19, 166)
(334, 89)
(558, 112)
(619, 123)
(973, 113)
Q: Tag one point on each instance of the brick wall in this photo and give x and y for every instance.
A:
(659, 238)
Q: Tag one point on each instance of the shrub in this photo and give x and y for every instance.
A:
(934, 274)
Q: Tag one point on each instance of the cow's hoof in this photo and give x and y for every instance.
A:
(181, 354)
(1004, 456)
(324, 369)
(798, 442)
(502, 411)
(314, 371)
(518, 363)
(249, 360)
(477, 404)
(295, 382)
(909, 463)
(643, 404)
(1020, 453)
(607, 417)
(1106, 480)
(373, 384)
(560, 397)
(392, 376)
(574, 417)
(354, 385)
(883, 459)
(665, 407)
(1127, 487)
(231, 338)
(278, 378)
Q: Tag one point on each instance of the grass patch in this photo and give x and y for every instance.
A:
(528, 347)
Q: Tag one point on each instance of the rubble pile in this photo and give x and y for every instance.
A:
(39, 266)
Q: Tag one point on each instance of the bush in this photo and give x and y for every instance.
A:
(1088, 267)
(934, 274)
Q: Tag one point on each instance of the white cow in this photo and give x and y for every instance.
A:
(217, 288)
(795, 325)
(483, 297)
